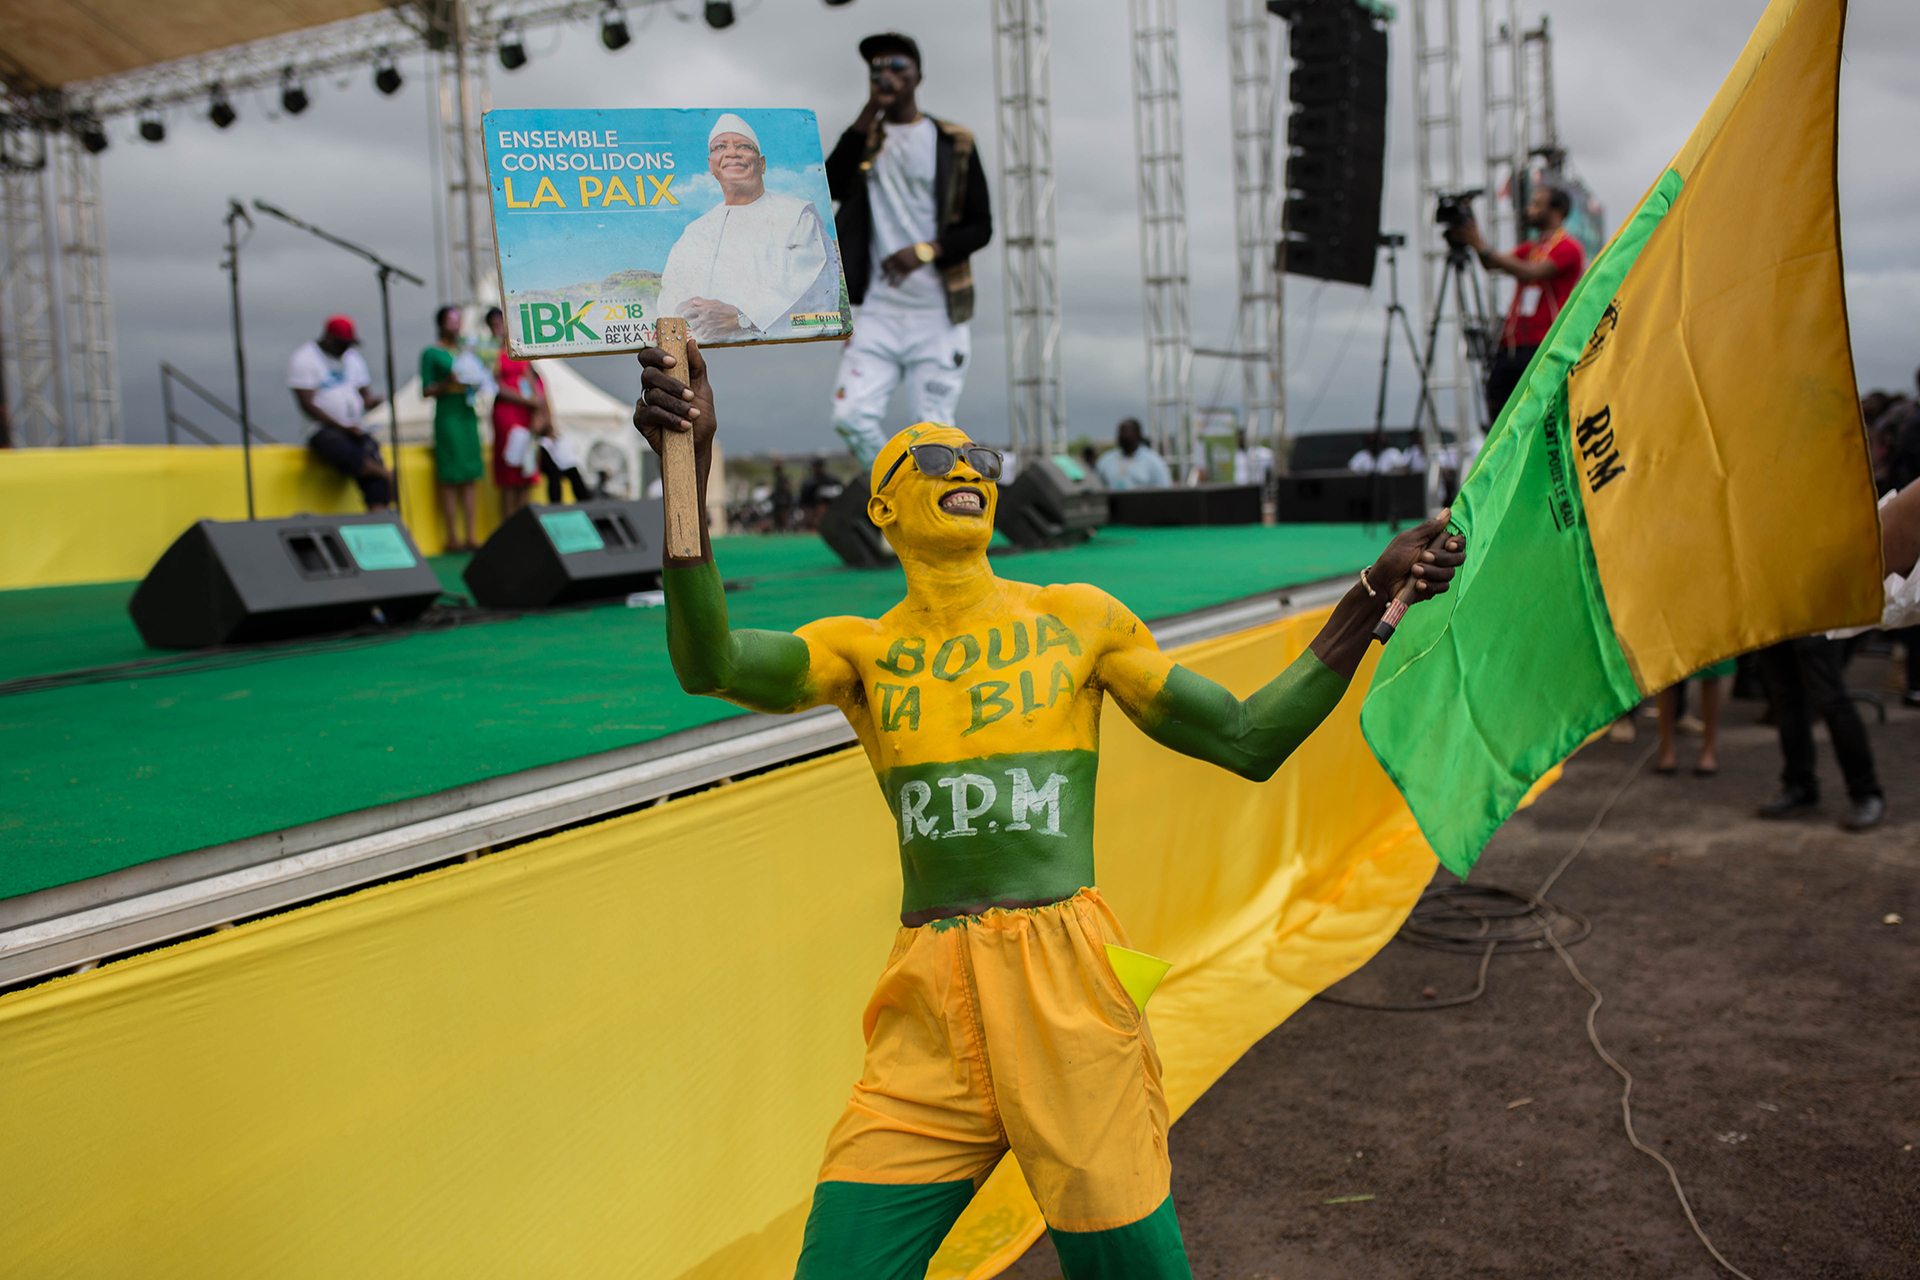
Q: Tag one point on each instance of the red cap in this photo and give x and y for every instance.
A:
(340, 327)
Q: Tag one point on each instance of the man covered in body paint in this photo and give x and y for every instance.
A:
(999, 1022)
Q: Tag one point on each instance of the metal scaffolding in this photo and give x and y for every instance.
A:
(1163, 230)
(1438, 133)
(460, 79)
(1504, 144)
(1261, 282)
(29, 325)
(1036, 412)
(1536, 79)
(80, 224)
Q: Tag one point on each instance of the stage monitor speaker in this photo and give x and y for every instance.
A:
(549, 555)
(1346, 497)
(1054, 501)
(245, 581)
(1189, 504)
(854, 538)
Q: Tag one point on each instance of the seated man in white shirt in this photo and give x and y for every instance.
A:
(330, 384)
(1132, 464)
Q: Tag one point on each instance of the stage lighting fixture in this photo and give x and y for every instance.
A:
(152, 127)
(613, 28)
(293, 95)
(513, 54)
(92, 134)
(386, 78)
(719, 14)
(221, 112)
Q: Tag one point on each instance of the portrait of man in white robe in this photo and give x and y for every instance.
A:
(743, 268)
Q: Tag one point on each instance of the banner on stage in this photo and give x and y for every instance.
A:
(605, 221)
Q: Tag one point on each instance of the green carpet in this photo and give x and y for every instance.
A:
(103, 776)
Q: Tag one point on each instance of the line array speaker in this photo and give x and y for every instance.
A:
(1336, 137)
(549, 555)
(245, 581)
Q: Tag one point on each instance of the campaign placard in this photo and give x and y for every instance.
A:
(605, 221)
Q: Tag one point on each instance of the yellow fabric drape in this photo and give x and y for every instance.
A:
(104, 514)
(618, 1051)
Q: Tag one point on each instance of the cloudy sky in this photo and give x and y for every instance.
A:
(1633, 76)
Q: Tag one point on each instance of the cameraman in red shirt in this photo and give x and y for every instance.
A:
(1546, 267)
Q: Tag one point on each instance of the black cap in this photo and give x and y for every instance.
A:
(890, 42)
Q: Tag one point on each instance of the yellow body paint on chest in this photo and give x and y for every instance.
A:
(1019, 680)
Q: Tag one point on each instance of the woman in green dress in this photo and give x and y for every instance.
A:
(457, 465)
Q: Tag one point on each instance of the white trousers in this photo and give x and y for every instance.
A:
(924, 351)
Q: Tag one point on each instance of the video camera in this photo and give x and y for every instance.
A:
(1455, 208)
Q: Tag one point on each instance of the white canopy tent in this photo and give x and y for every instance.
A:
(598, 426)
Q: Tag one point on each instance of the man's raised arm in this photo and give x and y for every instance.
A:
(1253, 737)
(761, 670)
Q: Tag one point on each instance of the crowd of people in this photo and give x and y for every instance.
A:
(332, 389)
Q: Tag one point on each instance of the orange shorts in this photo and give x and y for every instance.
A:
(1004, 1031)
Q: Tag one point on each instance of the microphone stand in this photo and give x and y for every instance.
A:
(384, 271)
(236, 214)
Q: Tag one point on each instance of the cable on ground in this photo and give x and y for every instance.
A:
(1488, 920)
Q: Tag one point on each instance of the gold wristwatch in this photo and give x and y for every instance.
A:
(923, 251)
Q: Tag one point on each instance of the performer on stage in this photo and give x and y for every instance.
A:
(999, 1022)
(913, 208)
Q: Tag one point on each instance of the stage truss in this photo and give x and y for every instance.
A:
(1022, 81)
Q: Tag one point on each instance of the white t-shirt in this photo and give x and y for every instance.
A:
(1144, 470)
(900, 194)
(1252, 465)
(766, 259)
(335, 383)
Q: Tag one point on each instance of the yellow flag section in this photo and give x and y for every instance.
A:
(1725, 472)
(618, 1051)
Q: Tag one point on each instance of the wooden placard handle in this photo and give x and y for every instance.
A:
(1397, 607)
(678, 482)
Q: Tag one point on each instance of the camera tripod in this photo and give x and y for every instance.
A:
(1393, 242)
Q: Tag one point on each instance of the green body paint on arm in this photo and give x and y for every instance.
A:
(1197, 717)
(760, 670)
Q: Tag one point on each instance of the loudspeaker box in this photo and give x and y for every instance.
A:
(1187, 504)
(243, 581)
(1054, 501)
(548, 555)
(844, 527)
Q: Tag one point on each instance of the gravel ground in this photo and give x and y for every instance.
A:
(1769, 1015)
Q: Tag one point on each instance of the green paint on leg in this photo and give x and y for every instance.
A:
(1150, 1249)
(878, 1231)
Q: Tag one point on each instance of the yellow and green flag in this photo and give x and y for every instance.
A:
(1681, 477)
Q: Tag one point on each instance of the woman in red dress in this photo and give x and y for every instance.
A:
(519, 416)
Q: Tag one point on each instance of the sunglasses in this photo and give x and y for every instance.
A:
(938, 460)
(896, 63)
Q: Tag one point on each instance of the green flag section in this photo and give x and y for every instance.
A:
(1682, 476)
(1485, 689)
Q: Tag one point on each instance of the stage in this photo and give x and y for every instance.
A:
(441, 741)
